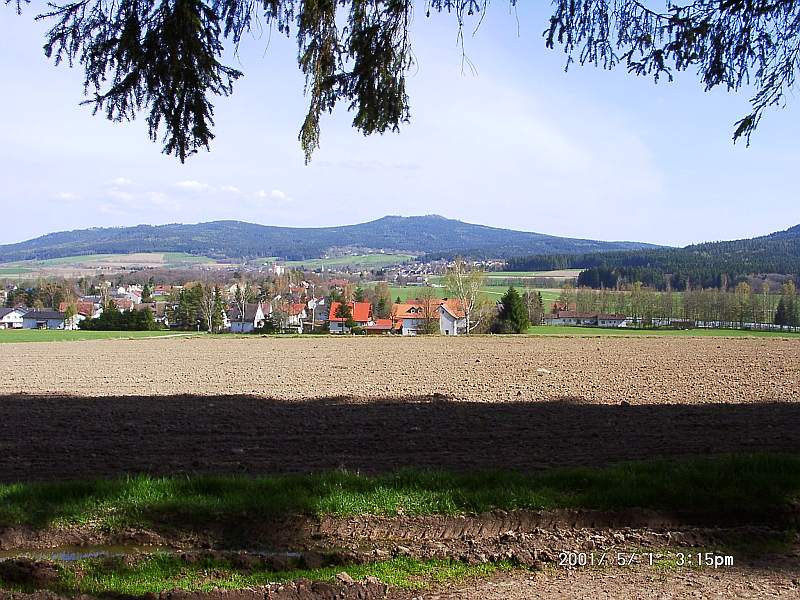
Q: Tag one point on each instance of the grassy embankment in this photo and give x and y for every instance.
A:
(56, 335)
(751, 484)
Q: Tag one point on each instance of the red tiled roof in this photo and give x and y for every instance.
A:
(296, 309)
(454, 307)
(382, 325)
(82, 308)
(362, 312)
(415, 309)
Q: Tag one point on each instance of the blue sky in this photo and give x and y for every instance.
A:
(519, 143)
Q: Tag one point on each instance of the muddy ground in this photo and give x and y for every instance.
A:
(599, 370)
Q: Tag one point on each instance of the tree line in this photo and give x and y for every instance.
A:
(710, 265)
(742, 306)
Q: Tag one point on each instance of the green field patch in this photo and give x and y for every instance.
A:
(374, 261)
(57, 335)
(158, 572)
(567, 330)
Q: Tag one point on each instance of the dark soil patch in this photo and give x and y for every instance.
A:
(62, 438)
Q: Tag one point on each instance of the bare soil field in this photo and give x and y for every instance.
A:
(485, 369)
(277, 405)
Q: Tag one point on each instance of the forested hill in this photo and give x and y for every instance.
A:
(237, 240)
(708, 264)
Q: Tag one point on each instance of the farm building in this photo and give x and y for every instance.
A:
(11, 318)
(49, 319)
(588, 319)
(362, 315)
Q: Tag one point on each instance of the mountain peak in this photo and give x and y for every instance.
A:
(426, 234)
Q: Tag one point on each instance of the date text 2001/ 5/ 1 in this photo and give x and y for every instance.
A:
(605, 559)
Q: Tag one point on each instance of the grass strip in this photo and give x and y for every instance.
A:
(159, 572)
(754, 484)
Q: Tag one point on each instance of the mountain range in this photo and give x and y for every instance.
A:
(420, 235)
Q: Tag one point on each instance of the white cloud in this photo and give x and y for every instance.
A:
(230, 189)
(66, 196)
(191, 185)
(121, 181)
(277, 195)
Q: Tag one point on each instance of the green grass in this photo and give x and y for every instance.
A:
(730, 485)
(557, 274)
(55, 335)
(159, 572)
(374, 261)
(629, 331)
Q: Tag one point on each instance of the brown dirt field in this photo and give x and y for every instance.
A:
(602, 370)
(276, 405)
(374, 405)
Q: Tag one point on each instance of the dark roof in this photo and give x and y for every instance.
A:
(44, 314)
(249, 313)
(5, 311)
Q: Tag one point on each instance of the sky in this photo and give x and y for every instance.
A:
(514, 142)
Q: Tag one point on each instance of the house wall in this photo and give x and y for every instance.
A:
(449, 325)
(11, 321)
(241, 327)
(49, 323)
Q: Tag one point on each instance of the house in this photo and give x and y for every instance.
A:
(253, 318)
(11, 318)
(383, 327)
(362, 316)
(421, 316)
(123, 304)
(87, 309)
(159, 310)
(297, 315)
(585, 319)
(49, 319)
(452, 319)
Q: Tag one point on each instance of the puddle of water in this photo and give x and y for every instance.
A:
(73, 553)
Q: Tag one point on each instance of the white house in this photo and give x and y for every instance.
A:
(452, 320)
(297, 316)
(11, 318)
(253, 318)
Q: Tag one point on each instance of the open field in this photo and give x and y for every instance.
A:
(410, 292)
(452, 467)
(462, 467)
(558, 330)
(598, 370)
(374, 261)
(16, 336)
(88, 264)
(560, 274)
